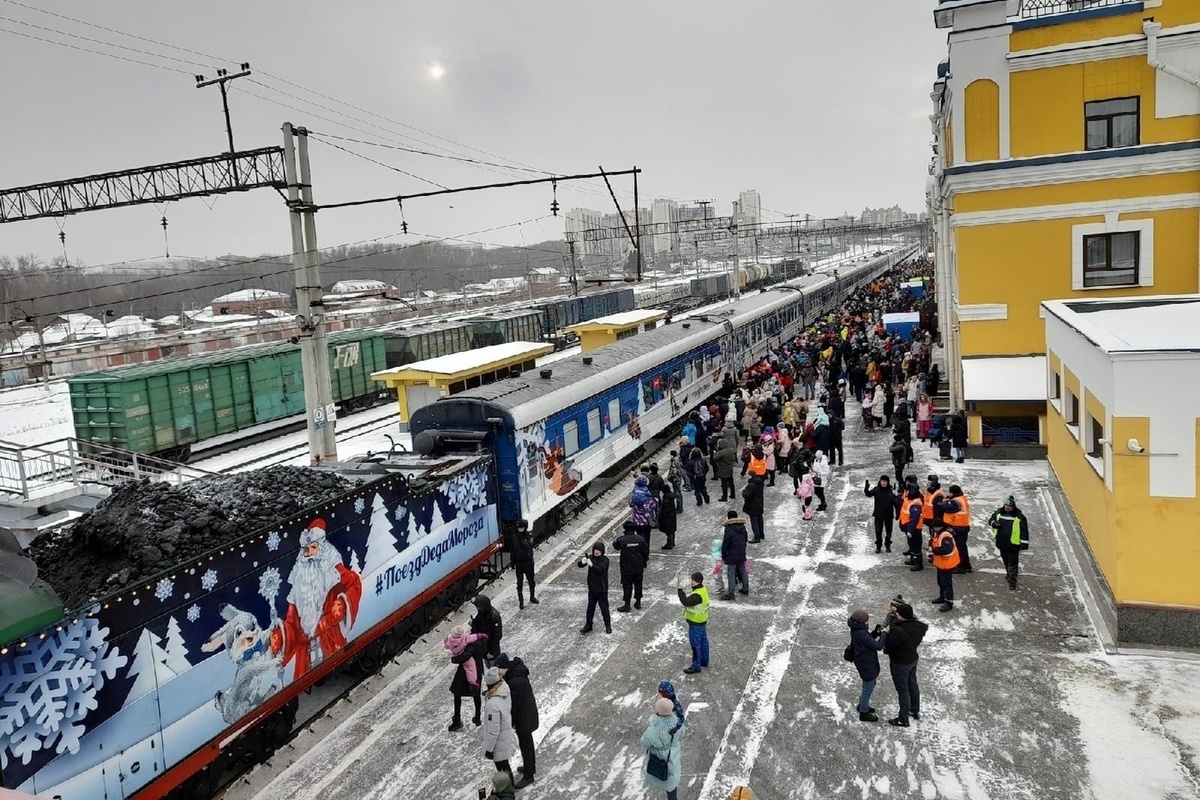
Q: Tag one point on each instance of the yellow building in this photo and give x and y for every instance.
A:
(1123, 432)
(1066, 165)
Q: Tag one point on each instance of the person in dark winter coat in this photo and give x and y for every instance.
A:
(1010, 530)
(733, 554)
(487, 620)
(697, 468)
(658, 485)
(596, 564)
(470, 663)
(958, 436)
(898, 452)
(837, 426)
(903, 638)
(884, 510)
(752, 506)
(724, 460)
(520, 550)
(902, 429)
(668, 520)
(866, 645)
(635, 552)
(524, 713)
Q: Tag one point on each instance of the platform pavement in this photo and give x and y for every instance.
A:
(1019, 698)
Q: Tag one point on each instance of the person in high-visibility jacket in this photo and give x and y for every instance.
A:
(1010, 529)
(929, 498)
(956, 512)
(911, 504)
(945, 561)
(695, 613)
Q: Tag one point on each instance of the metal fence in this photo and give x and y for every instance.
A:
(29, 472)
(1032, 9)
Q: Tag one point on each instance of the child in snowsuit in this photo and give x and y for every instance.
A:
(457, 643)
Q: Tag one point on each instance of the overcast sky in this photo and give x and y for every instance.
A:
(821, 106)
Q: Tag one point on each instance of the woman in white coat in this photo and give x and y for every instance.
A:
(664, 739)
(877, 402)
(498, 744)
(820, 469)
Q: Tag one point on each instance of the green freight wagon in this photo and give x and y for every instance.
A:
(506, 327)
(165, 407)
(406, 342)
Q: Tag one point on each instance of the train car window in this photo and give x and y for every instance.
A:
(570, 438)
(614, 413)
(595, 431)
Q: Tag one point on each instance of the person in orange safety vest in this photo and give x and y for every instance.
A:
(945, 561)
(956, 511)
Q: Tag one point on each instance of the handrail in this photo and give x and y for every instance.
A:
(70, 463)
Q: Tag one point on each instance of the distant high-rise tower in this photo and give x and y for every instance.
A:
(750, 207)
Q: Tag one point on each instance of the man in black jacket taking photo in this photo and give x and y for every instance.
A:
(903, 638)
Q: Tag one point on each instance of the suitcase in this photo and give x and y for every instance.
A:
(944, 451)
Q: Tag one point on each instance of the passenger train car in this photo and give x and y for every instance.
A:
(553, 432)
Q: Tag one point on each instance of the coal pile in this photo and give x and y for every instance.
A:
(144, 527)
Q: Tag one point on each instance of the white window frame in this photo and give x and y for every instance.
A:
(614, 414)
(595, 428)
(571, 437)
(1143, 227)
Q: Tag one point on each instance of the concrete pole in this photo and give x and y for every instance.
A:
(310, 314)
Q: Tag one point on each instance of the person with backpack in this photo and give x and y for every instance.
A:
(904, 636)
(675, 478)
(863, 651)
(643, 508)
(697, 467)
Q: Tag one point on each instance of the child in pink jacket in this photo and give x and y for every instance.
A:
(457, 642)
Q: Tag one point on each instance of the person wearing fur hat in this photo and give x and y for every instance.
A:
(596, 564)
(497, 721)
(695, 613)
(524, 713)
(733, 553)
(741, 793)
(664, 740)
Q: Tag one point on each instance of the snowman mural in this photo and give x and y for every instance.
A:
(322, 604)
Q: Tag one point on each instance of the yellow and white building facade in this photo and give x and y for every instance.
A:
(1066, 165)
(1123, 432)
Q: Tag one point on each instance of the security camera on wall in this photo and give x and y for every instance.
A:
(1135, 446)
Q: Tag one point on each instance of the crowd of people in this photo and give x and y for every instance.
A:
(782, 417)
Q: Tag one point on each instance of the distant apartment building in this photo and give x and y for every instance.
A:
(664, 212)
(749, 208)
(884, 216)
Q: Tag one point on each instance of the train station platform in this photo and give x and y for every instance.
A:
(423, 382)
(606, 330)
(1019, 696)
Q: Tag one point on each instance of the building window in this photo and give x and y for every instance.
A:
(1111, 259)
(1072, 408)
(1111, 123)
(1055, 386)
(1095, 441)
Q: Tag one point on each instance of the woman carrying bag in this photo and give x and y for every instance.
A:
(663, 741)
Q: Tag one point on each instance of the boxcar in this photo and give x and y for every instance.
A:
(405, 343)
(165, 407)
(505, 327)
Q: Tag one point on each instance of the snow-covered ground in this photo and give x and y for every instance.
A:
(36, 414)
(1019, 697)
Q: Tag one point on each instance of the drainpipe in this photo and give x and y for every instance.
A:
(1152, 29)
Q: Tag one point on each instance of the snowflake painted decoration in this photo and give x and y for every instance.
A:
(273, 541)
(268, 583)
(209, 580)
(49, 690)
(164, 589)
(193, 613)
(467, 490)
(360, 505)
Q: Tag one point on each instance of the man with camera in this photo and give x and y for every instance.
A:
(695, 612)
